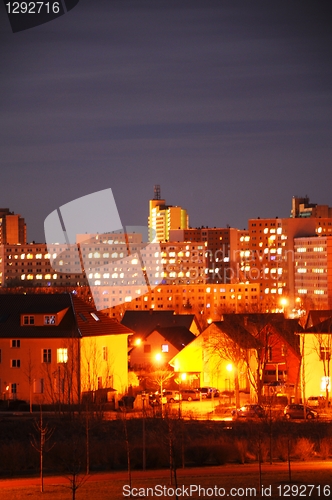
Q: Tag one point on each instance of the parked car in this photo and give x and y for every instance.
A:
(297, 411)
(190, 395)
(315, 401)
(171, 396)
(209, 392)
(250, 411)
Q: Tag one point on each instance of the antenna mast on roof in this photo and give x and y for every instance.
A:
(156, 192)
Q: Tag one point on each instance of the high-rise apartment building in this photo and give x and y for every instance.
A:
(301, 207)
(272, 255)
(163, 218)
(313, 272)
(225, 250)
(28, 265)
(12, 228)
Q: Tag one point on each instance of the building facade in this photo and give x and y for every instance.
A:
(12, 228)
(164, 218)
(55, 347)
(313, 271)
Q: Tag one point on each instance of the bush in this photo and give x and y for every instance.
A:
(304, 448)
(325, 448)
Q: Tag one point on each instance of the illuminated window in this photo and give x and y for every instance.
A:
(325, 384)
(62, 355)
(49, 320)
(164, 348)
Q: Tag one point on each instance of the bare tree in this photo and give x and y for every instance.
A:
(29, 372)
(71, 461)
(160, 377)
(40, 443)
(225, 342)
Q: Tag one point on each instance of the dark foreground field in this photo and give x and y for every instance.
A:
(308, 480)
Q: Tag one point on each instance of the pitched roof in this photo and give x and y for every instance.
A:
(75, 316)
(322, 327)
(257, 322)
(316, 317)
(178, 336)
(92, 322)
(237, 333)
(143, 322)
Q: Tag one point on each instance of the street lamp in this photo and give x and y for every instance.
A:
(283, 303)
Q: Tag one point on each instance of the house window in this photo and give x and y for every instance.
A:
(49, 320)
(59, 385)
(13, 388)
(28, 320)
(62, 355)
(95, 317)
(164, 348)
(15, 363)
(325, 383)
(325, 353)
(147, 348)
(105, 353)
(15, 343)
(38, 386)
(47, 355)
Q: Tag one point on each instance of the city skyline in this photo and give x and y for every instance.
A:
(226, 106)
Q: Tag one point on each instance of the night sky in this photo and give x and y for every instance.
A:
(226, 104)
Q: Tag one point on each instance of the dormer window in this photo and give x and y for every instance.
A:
(50, 319)
(28, 320)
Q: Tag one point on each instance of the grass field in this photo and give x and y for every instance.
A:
(110, 486)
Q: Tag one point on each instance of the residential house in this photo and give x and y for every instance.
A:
(218, 358)
(158, 347)
(55, 347)
(242, 348)
(316, 345)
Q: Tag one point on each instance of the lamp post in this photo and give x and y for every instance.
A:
(158, 358)
(143, 431)
(229, 368)
(183, 377)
